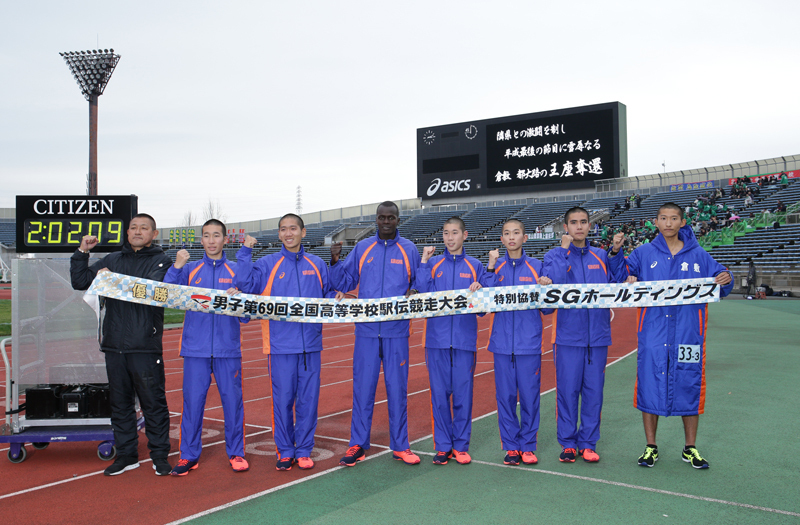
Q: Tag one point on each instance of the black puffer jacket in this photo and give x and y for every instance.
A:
(126, 327)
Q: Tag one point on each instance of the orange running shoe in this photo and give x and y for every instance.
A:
(354, 455)
(239, 464)
(529, 458)
(406, 456)
(305, 463)
(589, 455)
(463, 458)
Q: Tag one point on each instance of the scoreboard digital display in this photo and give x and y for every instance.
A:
(56, 224)
(552, 150)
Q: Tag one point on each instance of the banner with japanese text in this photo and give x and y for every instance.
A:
(454, 302)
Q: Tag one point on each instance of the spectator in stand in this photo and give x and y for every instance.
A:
(713, 224)
(784, 180)
(781, 207)
(638, 201)
(627, 204)
(748, 201)
(752, 277)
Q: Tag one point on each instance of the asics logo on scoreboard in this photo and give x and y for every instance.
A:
(448, 186)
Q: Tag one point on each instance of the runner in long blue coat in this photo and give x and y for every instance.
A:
(671, 372)
(581, 338)
(381, 266)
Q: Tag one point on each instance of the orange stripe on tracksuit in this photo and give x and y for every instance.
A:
(703, 327)
(268, 291)
(364, 256)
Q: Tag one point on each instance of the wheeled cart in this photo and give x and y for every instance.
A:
(53, 345)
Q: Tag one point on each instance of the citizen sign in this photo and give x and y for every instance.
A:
(74, 206)
(448, 186)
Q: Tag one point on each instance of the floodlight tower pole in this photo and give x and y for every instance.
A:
(92, 189)
(92, 70)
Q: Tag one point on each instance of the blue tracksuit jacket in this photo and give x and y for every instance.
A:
(285, 274)
(380, 268)
(451, 272)
(210, 344)
(208, 335)
(519, 332)
(672, 339)
(591, 326)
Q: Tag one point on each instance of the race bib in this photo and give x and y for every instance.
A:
(689, 353)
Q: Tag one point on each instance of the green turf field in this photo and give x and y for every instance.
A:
(747, 434)
(5, 317)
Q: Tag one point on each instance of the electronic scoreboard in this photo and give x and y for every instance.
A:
(56, 224)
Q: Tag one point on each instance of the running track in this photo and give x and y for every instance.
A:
(64, 483)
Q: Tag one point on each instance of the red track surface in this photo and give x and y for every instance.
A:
(64, 483)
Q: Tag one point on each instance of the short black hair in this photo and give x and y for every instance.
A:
(456, 220)
(521, 224)
(214, 222)
(295, 217)
(146, 216)
(671, 206)
(575, 209)
(388, 204)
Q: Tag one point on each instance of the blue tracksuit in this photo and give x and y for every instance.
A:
(670, 374)
(293, 348)
(581, 339)
(450, 350)
(516, 343)
(210, 344)
(379, 268)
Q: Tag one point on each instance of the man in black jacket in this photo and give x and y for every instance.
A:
(130, 338)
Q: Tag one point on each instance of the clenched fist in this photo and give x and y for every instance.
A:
(566, 240)
(493, 256)
(250, 241)
(427, 253)
(181, 258)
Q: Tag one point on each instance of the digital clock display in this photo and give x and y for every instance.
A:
(68, 233)
(57, 224)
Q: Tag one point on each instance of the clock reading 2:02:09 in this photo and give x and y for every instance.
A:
(69, 232)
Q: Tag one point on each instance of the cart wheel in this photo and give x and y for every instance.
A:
(106, 451)
(40, 446)
(19, 457)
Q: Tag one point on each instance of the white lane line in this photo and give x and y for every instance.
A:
(99, 472)
(627, 486)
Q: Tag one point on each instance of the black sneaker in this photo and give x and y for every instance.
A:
(649, 458)
(512, 458)
(284, 464)
(568, 455)
(441, 457)
(121, 464)
(162, 466)
(354, 455)
(691, 455)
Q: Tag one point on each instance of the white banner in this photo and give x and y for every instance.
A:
(452, 302)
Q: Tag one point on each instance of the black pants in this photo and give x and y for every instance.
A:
(141, 375)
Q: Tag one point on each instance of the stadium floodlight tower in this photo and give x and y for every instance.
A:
(92, 71)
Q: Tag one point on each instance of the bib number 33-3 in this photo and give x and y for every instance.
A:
(689, 353)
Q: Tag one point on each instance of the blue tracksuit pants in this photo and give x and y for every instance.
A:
(451, 374)
(196, 382)
(580, 371)
(520, 374)
(368, 354)
(295, 400)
